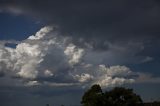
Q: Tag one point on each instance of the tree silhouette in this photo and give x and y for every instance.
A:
(93, 97)
(118, 96)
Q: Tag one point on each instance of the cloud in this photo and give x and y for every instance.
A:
(32, 83)
(147, 59)
(24, 59)
(113, 76)
(84, 77)
(41, 34)
(147, 78)
(74, 54)
(96, 19)
(50, 59)
(41, 55)
(53, 84)
(48, 73)
(86, 42)
(115, 32)
(2, 73)
(116, 53)
(115, 70)
(107, 81)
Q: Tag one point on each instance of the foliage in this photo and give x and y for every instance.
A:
(93, 96)
(118, 96)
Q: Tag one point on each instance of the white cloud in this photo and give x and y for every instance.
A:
(84, 77)
(48, 55)
(32, 83)
(28, 49)
(113, 76)
(104, 76)
(108, 81)
(40, 34)
(48, 73)
(115, 70)
(26, 57)
(74, 53)
(28, 70)
(39, 54)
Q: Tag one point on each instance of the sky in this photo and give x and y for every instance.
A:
(52, 51)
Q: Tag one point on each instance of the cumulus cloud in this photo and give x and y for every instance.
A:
(24, 59)
(115, 70)
(33, 57)
(86, 40)
(84, 77)
(73, 53)
(40, 34)
(107, 81)
(28, 71)
(113, 76)
(94, 42)
(47, 58)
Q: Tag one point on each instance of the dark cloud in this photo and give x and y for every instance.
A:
(103, 18)
(100, 23)
(2, 74)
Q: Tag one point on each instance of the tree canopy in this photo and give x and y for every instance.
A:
(118, 96)
(93, 96)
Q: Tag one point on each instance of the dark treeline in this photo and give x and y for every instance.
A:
(118, 96)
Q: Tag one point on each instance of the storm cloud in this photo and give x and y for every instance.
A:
(102, 23)
(94, 18)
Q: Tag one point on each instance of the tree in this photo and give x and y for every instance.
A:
(118, 96)
(93, 97)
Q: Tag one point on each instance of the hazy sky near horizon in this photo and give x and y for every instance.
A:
(52, 51)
